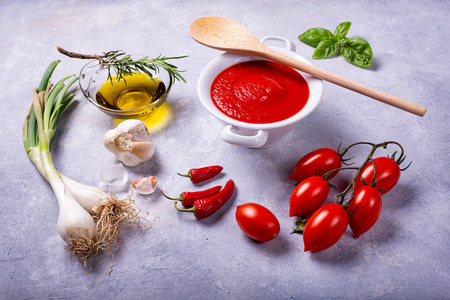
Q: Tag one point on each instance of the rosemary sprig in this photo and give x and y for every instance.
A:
(123, 64)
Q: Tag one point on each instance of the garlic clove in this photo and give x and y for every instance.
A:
(130, 142)
(145, 186)
(140, 152)
(143, 150)
(113, 175)
(139, 131)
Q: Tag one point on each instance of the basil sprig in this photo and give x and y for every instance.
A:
(356, 50)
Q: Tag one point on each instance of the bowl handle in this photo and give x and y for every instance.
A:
(253, 141)
(289, 45)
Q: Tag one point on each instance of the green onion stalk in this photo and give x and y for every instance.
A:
(88, 218)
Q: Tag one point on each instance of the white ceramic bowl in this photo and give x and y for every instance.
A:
(248, 134)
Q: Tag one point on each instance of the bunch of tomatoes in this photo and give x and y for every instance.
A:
(323, 224)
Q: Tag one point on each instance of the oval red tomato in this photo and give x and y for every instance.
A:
(388, 174)
(325, 227)
(257, 222)
(364, 209)
(308, 196)
(323, 160)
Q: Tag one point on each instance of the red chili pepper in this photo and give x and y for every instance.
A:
(205, 207)
(188, 198)
(202, 174)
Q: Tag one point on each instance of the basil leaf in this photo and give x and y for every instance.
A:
(341, 30)
(325, 48)
(357, 51)
(313, 36)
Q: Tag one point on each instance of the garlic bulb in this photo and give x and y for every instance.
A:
(89, 197)
(74, 222)
(145, 186)
(130, 142)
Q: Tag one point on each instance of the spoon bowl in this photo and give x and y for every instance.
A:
(227, 35)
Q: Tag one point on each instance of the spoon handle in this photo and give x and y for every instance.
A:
(346, 83)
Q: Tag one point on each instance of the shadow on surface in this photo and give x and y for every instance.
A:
(344, 251)
(61, 127)
(278, 246)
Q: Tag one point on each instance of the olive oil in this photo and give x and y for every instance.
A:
(136, 91)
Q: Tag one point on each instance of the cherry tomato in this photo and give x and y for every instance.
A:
(364, 209)
(324, 159)
(308, 196)
(325, 227)
(257, 222)
(388, 174)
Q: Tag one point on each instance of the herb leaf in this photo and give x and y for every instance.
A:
(314, 36)
(357, 51)
(341, 30)
(326, 48)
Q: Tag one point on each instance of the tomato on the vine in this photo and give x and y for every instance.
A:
(317, 162)
(257, 222)
(388, 174)
(364, 209)
(308, 196)
(325, 227)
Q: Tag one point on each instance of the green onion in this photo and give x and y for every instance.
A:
(88, 218)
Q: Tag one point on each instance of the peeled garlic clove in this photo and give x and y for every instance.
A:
(113, 175)
(145, 186)
(130, 142)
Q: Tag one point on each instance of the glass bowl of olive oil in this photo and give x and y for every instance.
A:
(130, 97)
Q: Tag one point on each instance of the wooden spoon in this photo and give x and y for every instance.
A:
(227, 35)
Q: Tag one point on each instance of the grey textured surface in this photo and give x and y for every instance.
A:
(406, 254)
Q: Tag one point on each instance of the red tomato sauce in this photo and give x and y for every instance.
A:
(259, 91)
